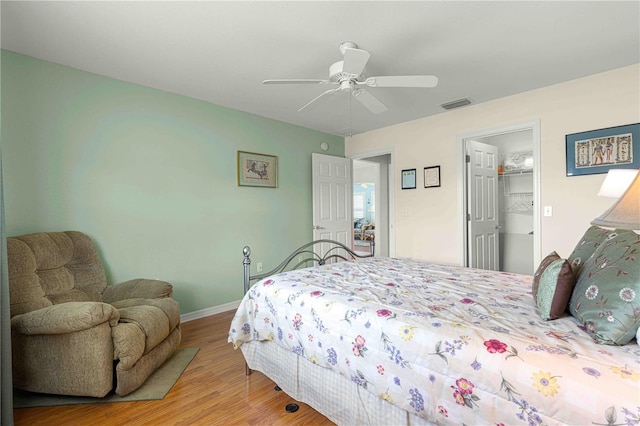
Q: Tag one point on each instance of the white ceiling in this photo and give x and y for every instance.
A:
(221, 51)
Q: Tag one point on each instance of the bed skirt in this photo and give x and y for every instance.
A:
(341, 400)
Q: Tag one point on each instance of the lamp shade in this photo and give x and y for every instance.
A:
(616, 182)
(625, 213)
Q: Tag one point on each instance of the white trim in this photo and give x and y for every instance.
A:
(534, 126)
(209, 311)
(462, 199)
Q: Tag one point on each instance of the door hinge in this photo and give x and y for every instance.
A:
(467, 158)
(468, 217)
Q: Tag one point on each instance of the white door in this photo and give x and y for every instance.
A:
(482, 187)
(332, 198)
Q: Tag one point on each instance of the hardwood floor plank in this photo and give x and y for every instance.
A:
(213, 390)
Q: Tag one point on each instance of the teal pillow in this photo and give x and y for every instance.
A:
(606, 298)
(585, 247)
(535, 283)
(555, 286)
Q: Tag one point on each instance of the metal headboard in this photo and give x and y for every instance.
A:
(309, 258)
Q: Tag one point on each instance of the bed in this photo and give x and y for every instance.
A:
(399, 341)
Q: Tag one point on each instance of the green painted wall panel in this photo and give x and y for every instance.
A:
(151, 177)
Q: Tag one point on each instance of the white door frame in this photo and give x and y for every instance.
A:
(391, 199)
(534, 127)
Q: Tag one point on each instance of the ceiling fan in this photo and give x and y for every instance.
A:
(348, 76)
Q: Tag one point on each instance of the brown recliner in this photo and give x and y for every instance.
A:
(70, 331)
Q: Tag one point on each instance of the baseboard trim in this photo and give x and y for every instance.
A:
(190, 316)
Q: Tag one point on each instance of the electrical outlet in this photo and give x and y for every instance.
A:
(259, 266)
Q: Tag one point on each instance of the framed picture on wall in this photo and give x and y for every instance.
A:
(597, 151)
(409, 179)
(432, 177)
(257, 170)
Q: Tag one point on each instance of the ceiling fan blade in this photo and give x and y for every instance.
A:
(368, 100)
(346, 132)
(355, 60)
(317, 98)
(296, 81)
(426, 81)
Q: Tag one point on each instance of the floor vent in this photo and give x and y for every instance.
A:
(456, 104)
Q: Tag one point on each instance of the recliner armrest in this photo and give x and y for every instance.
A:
(137, 288)
(66, 317)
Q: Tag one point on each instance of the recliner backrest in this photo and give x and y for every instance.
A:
(53, 267)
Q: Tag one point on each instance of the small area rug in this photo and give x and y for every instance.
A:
(157, 386)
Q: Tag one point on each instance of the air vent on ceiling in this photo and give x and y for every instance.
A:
(456, 104)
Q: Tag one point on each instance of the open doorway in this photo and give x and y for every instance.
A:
(371, 200)
(365, 175)
(515, 200)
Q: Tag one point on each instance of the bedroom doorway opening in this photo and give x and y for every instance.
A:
(507, 194)
(371, 200)
(365, 183)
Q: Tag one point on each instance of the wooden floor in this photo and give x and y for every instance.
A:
(213, 390)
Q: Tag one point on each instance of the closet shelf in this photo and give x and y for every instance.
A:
(515, 173)
(513, 184)
(518, 194)
(520, 205)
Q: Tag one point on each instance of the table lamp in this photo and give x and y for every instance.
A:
(625, 213)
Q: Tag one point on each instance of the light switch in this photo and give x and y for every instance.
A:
(548, 211)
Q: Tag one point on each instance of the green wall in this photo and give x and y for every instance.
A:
(151, 177)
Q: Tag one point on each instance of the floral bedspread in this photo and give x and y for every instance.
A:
(452, 345)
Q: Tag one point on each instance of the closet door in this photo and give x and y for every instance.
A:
(482, 217)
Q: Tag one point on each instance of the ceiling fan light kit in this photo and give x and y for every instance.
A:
(348, 76)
